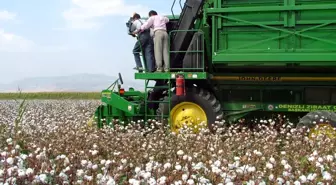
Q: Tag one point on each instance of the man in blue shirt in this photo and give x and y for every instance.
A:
(145, 42)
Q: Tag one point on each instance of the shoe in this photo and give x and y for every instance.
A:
(140, 69)
(166, 70)
(158, 71)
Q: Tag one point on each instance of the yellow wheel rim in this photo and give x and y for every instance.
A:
(323, 129)
(187, 114)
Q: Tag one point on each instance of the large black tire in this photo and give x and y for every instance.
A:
(318, 117)
(203, 98)
(313, 119)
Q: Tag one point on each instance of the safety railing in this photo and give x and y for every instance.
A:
(173, 5)
(191, 59)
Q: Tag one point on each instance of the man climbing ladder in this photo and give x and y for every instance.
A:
(144, 45)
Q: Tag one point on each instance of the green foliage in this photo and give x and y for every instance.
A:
(51, 95)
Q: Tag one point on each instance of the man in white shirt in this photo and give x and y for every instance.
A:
(145, 44)
(161, 50)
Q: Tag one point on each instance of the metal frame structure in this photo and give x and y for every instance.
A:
(267, 56)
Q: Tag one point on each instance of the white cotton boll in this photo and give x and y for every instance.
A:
(250, 182)
(94, 167)
(94, 152)
(272, 160)
(137, 170)
(80, 173)
(10, 161)
(258, 153)
(297, 183)
(190, 182)
(280, 180)
(162, 180)
(21, 173)
(43, 178)
(287, 167)
(63, 176)
(180, 152)
(239, 171)
(9, 141)
(84, 163)
(167, 165)
(315, 153)
(107, 163)
(3, 154)
(251, 169)
(123, 161)
(285, 174)
(151, 181)
(311, 176)
(178, 167)
(303, 179)
(326, 176)
(146, 175)
(262, 183)
(134, 182)
(184, 177)
(269, 165)
(283, 162)
(99, 176)
(217, 163)
(111, 182)
(330, 158)
(29, 171)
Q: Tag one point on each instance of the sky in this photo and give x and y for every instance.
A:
(63, 37)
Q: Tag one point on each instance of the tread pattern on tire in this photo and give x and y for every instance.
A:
(204, 94)
(309, 119)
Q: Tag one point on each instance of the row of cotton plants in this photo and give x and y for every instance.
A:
(52, 144)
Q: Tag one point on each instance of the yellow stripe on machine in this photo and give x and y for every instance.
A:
(272, 78)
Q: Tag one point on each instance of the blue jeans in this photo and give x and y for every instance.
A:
(147, 44)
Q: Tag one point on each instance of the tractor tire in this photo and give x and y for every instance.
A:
(201, 97)
(318, 118)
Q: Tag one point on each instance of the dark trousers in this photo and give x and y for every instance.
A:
(145, 42)
(156, 94)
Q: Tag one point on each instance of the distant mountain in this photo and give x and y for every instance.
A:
(78, 82)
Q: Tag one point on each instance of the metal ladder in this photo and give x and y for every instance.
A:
(153, 115)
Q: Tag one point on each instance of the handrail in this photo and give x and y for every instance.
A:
(199, 51)
(172, 7)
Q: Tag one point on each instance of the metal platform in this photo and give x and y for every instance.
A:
(171, 75)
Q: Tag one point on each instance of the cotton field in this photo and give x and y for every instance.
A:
(52, 144)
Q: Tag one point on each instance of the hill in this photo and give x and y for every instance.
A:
(72, 83)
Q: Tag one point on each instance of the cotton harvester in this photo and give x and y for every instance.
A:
(232, 59)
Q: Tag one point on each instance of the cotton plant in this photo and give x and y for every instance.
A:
(55, 146)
